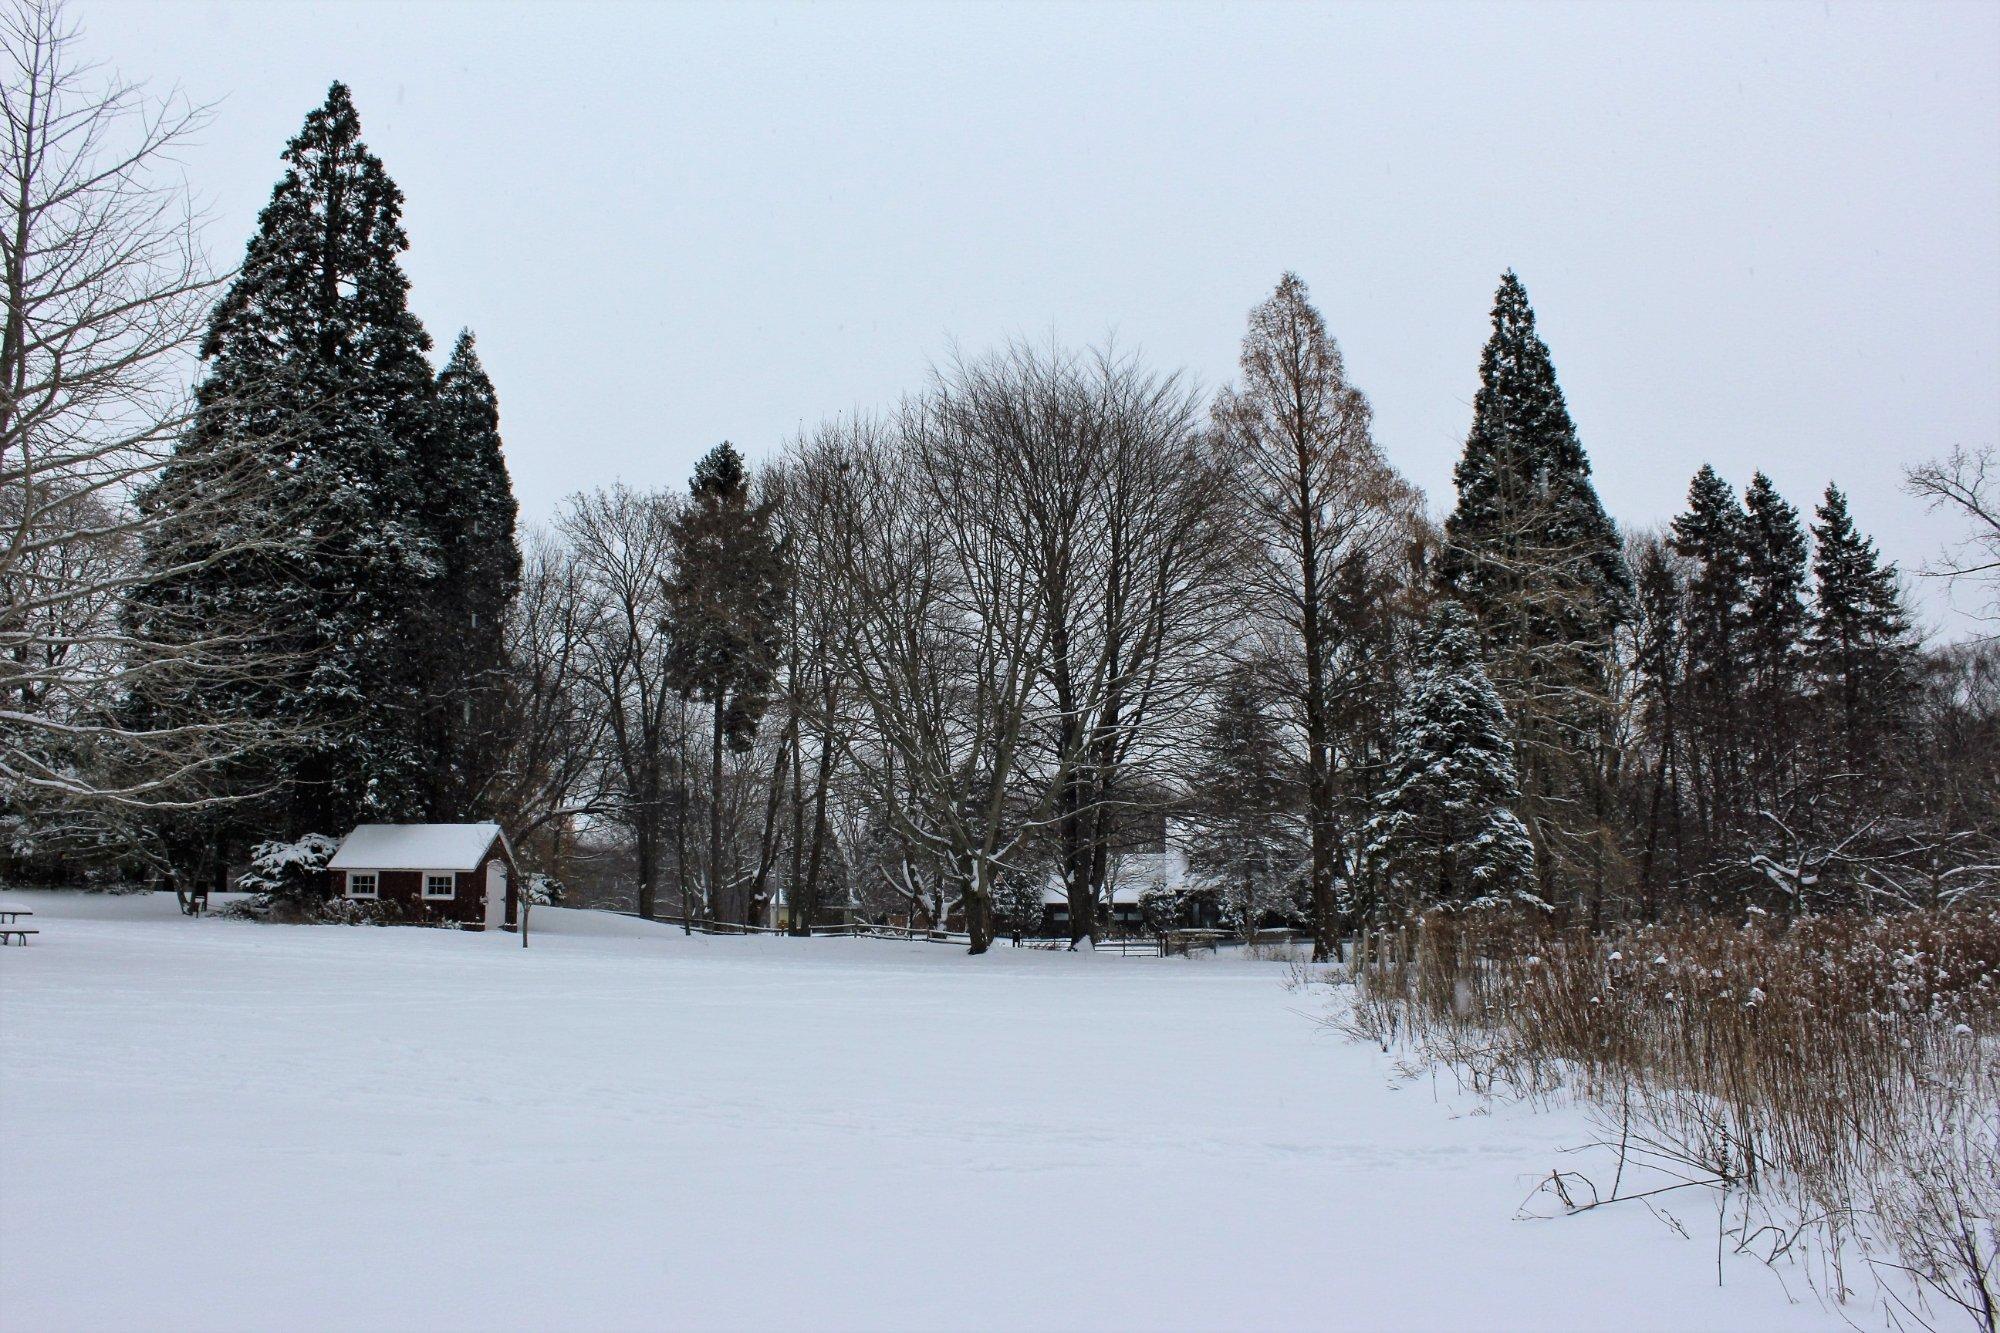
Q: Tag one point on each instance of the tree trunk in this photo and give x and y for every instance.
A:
(647, 856)
(681, 838)
(1076, 863)
(978, 912)
(768, 838)
(818, 858)
(716, 904)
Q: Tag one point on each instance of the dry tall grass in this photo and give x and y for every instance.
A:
(1842, 1074)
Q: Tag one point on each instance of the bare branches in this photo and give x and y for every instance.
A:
(1332, 532)
(1966, 483)
(552, 769)
(104, 287)
(611, 623)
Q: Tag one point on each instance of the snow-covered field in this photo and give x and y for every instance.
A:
(216, 1125)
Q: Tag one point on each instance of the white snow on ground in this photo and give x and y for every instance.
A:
(218, 1125)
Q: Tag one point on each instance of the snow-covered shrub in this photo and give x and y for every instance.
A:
(1017, 904)
(1835, 1082)
(339, 911)
(289, 872)
(543, 890)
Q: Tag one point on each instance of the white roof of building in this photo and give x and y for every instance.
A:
(414, 847)
(1132, 874)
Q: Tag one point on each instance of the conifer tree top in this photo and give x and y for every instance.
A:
(1778, 540)
(1708, 529)
(320, 275)
(1525, 498)
(464, 356)
(1845, 559)
(464, 379)
(720, 475)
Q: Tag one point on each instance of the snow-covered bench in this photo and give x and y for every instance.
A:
(11, 929)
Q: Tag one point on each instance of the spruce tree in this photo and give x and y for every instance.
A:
(470, 514)
(1863, 661)
(1530, 550)
(1712, 537)
(724, 599)
(1774, 576)
(1445, 832)
(314, 353)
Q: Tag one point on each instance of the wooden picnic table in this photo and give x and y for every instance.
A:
(11, 932)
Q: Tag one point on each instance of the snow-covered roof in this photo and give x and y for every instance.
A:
(1132, 875)
(414, 847)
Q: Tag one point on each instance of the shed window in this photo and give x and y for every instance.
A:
(361, 884)
(440, 884)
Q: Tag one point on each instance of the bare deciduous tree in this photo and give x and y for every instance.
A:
(621, 541)
(1966, 482)
(1333, 523)
(1113, 487)
(105, 289)
(554, 736)
(941, 638)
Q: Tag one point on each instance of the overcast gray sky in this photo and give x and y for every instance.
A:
(1762, 236)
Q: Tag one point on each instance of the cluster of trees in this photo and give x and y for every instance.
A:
(931, 661)
(1795, 748)
(1051, 593)
(275, 599)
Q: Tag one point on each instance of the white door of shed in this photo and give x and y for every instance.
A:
(496, 894)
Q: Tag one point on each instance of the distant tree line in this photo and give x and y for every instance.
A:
(926, 663)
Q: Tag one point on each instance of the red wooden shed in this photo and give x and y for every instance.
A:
(463, 873)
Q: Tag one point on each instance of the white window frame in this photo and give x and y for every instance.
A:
(448, 875)
(374, 878)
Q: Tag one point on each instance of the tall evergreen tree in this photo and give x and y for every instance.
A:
(314, 352)
(1774, 575)
(1862, 657)
(1531, 551)
(470, 512)
(1445, 832)
(1712, 537)
(724, 599)
(1530, 547)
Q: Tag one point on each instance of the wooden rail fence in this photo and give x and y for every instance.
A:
(1151, 946)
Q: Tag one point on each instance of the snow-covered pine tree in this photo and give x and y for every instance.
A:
(1529, 546)
(314, 352)
(1862, 657)
(1530, 550)
(724, 599)
(1774, 575)
(470, 514)
(1444, 832)
(1247, 815)
(1711, 536)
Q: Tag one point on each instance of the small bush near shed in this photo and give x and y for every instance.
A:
(289, 872)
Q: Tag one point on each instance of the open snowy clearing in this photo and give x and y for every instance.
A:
(212, 1124)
